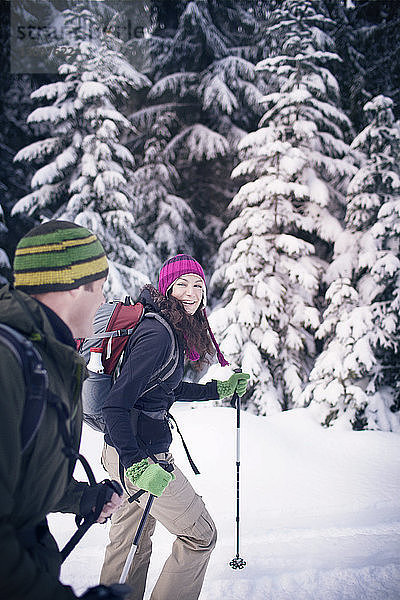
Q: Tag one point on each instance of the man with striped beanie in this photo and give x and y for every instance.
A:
(64, 266)
(59, 271)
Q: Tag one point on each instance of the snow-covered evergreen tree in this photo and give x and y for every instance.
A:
(87, 167)
(337, 388)
(287, 217)
(355, 380)
(204, 98)
(167, 220)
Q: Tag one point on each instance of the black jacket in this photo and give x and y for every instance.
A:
(147, 350)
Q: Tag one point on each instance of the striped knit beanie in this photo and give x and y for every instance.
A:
(172, 269)
(58, 256)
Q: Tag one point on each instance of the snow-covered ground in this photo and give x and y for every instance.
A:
(320, 509)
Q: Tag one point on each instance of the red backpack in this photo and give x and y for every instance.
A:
(113, 324)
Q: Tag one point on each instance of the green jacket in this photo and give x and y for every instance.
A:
(39, 481)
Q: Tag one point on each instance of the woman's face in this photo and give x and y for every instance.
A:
(189, 290)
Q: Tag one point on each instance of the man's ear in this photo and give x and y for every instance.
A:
(75, 292)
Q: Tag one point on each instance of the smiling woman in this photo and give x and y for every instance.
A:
(138, 434)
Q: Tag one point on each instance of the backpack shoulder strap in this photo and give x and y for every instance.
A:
(171, 362)
(37, 396)
(35, 378)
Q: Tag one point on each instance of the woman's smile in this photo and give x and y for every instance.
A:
(189, 290)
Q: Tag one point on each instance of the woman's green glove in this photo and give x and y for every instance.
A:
(150, 477)
(236, 383)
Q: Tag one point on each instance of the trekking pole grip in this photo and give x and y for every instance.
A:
(235, 398)
(236, 404)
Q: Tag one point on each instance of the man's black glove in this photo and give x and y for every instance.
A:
(95, 497)
(116, 591)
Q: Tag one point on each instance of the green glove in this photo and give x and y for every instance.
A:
(236, 383)
(150, 477)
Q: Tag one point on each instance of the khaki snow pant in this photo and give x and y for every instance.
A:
(183, 513)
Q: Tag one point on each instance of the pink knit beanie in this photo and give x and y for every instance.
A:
(172, 269)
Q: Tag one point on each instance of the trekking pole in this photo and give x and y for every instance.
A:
(237, 562)
(135, 543)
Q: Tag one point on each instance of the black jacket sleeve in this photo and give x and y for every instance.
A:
(148, 350)
(194, 392)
